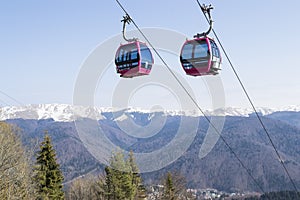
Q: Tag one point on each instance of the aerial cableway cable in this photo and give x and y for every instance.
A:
(193, 100)
(252, 104)
(10, 97)
(4, 103)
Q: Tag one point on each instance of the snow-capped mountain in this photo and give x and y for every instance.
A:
(58, 112)
(65, 112)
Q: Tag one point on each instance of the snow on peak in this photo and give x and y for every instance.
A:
(65, 112)
(58, 112)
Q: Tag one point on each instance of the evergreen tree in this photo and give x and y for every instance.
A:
(48, 175)
(117, 178)
(138, 191)
(169, 188)
(122, 178)
(138, 188)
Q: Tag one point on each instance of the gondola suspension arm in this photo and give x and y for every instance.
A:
(206, 10)
(127, 20)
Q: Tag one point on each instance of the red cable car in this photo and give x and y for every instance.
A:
(133, 59)
(201, 55)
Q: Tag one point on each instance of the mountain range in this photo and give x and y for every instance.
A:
(219, 169)
(66, 112)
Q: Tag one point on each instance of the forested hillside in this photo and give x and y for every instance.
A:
(219, 169)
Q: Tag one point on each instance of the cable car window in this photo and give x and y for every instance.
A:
(201, 49)
(134, 58)
(146, 57)
(187, 51)
(123, 54)
(127, 57)
(215, 49)
(146, 54)
(120, 56)
(134, 55)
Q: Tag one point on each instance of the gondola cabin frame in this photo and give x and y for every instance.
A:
(133, 59)
(200, 56)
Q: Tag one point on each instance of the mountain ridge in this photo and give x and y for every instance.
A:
(124, 128)
(67, 112)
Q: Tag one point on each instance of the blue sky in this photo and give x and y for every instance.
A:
(43, 45)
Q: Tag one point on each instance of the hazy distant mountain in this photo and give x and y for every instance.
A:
(219, 169)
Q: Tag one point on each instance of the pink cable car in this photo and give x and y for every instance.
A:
(134, 58)
(201, 55)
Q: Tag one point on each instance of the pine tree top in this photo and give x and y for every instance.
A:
(49, 178)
